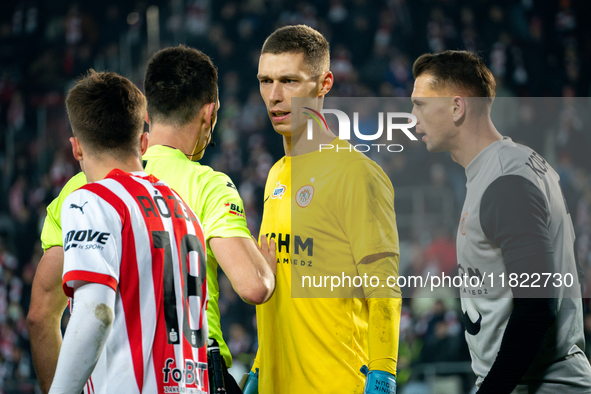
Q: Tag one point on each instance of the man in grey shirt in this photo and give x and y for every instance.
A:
(515, 234)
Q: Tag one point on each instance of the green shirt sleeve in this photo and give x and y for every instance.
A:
(51, 235)
(223, 213)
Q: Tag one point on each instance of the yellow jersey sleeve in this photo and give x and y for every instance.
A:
(51, 235)
(368, 198)
(384, 333)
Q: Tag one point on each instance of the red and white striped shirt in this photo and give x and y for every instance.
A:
(137, 236)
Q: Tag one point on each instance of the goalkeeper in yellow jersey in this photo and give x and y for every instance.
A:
(328, 212)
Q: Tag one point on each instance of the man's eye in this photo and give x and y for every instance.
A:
(289, 80)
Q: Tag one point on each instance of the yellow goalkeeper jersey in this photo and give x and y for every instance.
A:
(326, 211)
(212, 196)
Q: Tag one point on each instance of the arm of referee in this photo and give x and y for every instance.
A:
(48, 302)
(514, 217)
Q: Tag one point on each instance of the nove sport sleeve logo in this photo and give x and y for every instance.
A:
(85, 239)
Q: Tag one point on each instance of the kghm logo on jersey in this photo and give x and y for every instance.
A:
(279, 191)
(303, 248)
(304, 196)
(235, 209)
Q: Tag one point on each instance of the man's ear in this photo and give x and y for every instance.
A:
(208, 113)
(327, 81)
(458, 108)
(77, 149)
(147, 118)
(144, 142)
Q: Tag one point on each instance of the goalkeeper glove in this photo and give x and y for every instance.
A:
(252, 383)
(378, 382)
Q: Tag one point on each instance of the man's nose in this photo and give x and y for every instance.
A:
(276, 95)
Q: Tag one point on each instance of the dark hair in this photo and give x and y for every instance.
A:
(107, 112)
(461, 69)
(301, 39)
(178, 82)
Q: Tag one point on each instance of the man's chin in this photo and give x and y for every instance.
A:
(198, 156)
(434, 148)
(285, 129)
(282, 129)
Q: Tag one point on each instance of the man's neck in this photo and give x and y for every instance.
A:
(182, 138)
(98, 168)
(299, 144)
(474, 137)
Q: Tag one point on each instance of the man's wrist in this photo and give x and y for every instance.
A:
(378, 381)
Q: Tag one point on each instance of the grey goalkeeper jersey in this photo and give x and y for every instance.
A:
(502, 172)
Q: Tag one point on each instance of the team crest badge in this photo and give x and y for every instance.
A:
(463, 224)
(304, 196)
(279, 191)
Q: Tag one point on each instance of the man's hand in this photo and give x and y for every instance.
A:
(378, 382)
(269, 251)
(247, 267)
(48, 302)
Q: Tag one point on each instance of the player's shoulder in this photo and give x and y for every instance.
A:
(517, 159)
(114, 190)
(74, 183)
(347, 158)
(353, 166)
(87, 191)
(279, 169)
(279, 165)
(358, 164)
(172, 165)
(213, 180)
(84, 202)
(510, 153)
(77, 181)
(206, 176)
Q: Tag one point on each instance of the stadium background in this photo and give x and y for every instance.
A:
(533, 47)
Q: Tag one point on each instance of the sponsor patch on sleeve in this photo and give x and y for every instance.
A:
(86, 239)
(235, 209)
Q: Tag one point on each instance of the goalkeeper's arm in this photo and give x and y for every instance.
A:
(384, 304)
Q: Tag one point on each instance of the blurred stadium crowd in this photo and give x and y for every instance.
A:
(533, 48)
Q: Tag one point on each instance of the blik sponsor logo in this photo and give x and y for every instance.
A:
(235, 209)
(279, 191)
(304, 196)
